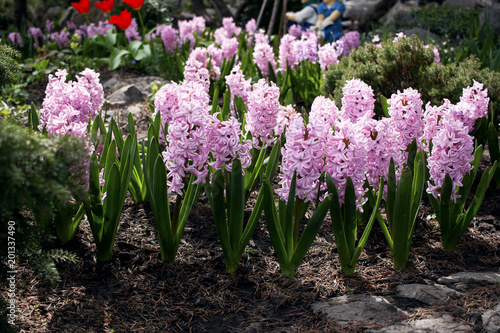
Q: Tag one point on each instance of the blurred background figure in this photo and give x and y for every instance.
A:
(329, 23)
(306, 17)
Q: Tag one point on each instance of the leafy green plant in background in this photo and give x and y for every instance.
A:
(8, 65)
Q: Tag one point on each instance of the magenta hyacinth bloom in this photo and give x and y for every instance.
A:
(473, 104)
(132, 32)
(170, 38)
(358, 100)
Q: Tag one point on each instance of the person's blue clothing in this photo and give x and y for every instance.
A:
(333, 31)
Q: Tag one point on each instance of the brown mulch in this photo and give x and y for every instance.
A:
(137, 292)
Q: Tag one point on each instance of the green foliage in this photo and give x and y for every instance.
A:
(405, 64)
(445, 20)
(36, 172)
(8, 65)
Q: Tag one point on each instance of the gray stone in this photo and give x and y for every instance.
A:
(491, 319)
(400, 14)
(366, 12)
(446, 323)
(468, 277)
(366, 309)
(491, 14)
(428, 294)
(125, 96)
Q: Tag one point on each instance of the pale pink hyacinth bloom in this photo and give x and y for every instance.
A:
(226, 144)
(351, 41)
(306, 48)
(295, 30)
(187, 150)
(167, 104)
(346, 157)
(262, 112)
(406, 110)
(327, 55)
(261, 37)
(196, 67)
(473, 105)
(263, 56)
(220, 34)
(303, 155)
(323, 117)
(69, 106)
(451, 154)
(380, 136)
(229, 48)
(216, 54)
(285, 116)
(287, 56)
(250, 27)
(170, 38)
(432, 121)
(187, 29)
(230, 26)
(358, 100)
(238, 86)
(132, 31)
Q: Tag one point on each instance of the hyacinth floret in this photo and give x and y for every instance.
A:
(251, 26)
(229, 48)
(295, 30)
(406, 110)
(263, 55)
(452, 149)
(380, 149)
(432, 121)
(66, 103)
(287, 55)
(346, 157)
(303, 155)
(238, 86)
(170, 38)
(262, 112)
(323, 117)
(306, 48)
(358, 100)
(473, 104)
(226, 144)
(327, 55)
(187, 150)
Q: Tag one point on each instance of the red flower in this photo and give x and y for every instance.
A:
(105, 5)
(83, 6)
(135, 4)
(123, 20)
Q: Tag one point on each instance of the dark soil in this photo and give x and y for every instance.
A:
(137, 292)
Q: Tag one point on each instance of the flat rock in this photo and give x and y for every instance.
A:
(491, 319)
(365, 309)
(428, 294)
(446, 323)
(125, 96)
(468, 277)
